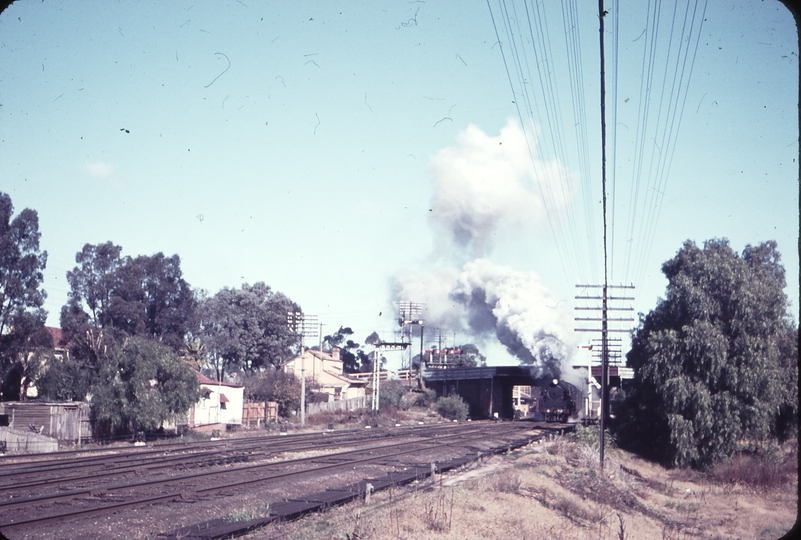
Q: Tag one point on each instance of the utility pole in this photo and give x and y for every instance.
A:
(422, 360)
(604, 319)
(302, 325)
(319, 348)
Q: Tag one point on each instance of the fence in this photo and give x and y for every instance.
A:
(351, 404)
(384, 375)
(256, 414)
(26, 442)
(63, 421)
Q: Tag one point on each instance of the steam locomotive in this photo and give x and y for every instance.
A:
(557, 401)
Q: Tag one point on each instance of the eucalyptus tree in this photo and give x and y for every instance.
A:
(715, 361)
(126, 319)
(115, 296)
(349, 349)
(22, 318)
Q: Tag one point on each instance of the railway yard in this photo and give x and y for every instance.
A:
(191, 489)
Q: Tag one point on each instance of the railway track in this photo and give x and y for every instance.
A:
(53, 471)
(46, 494)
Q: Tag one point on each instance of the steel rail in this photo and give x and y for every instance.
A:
(207, 474)
(437, 443)
(58, 459)
(162, 460)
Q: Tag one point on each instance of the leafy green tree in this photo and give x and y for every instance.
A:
(152, 300)
(470, 356)
(140, 385)
(373, 339)
(366, 359)
(22, 318)
(65, 380)
(714, 361)
(246, 328)
(117, 296)
(92, 283)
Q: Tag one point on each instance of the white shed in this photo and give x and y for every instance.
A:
(220, 403)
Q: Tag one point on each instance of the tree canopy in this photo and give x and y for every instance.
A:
(246, 328)
(140, 385)
(144, 296)
(22, 318)
(716, 361)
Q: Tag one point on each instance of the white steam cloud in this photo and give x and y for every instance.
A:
(486, 187)
(484, 299)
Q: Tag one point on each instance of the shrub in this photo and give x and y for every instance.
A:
(390, 394)
(591, 436)
(424, 398)
(275, 385)
(761, 472)
(509, 482)
(451, 407)
(317, 397)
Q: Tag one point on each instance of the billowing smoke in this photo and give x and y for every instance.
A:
(487, 186)
(484, 188)
(484, 299)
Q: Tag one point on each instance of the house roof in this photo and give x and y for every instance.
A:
(344, 378)
(224, 399)
(59, 341)
(205, 380)
(322, 355)
(317, 354)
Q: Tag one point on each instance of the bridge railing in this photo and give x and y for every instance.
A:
(396, 375)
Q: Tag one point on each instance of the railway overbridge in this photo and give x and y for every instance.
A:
(486, 390)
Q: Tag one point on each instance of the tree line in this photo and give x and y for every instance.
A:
(715, 362)
(135, 331)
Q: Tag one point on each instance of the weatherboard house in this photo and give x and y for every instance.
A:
(326, 371)
(219, 403)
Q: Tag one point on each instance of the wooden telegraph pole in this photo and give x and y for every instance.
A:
(304, 326)
(604, 319)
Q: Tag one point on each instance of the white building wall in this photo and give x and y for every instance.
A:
(209, 410)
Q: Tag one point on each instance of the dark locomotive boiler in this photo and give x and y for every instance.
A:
(557, 401)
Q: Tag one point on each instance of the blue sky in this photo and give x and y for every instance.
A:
(350, 155)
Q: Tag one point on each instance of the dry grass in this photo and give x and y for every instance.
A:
(249, 512)
(760, 472)
(557, 490)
